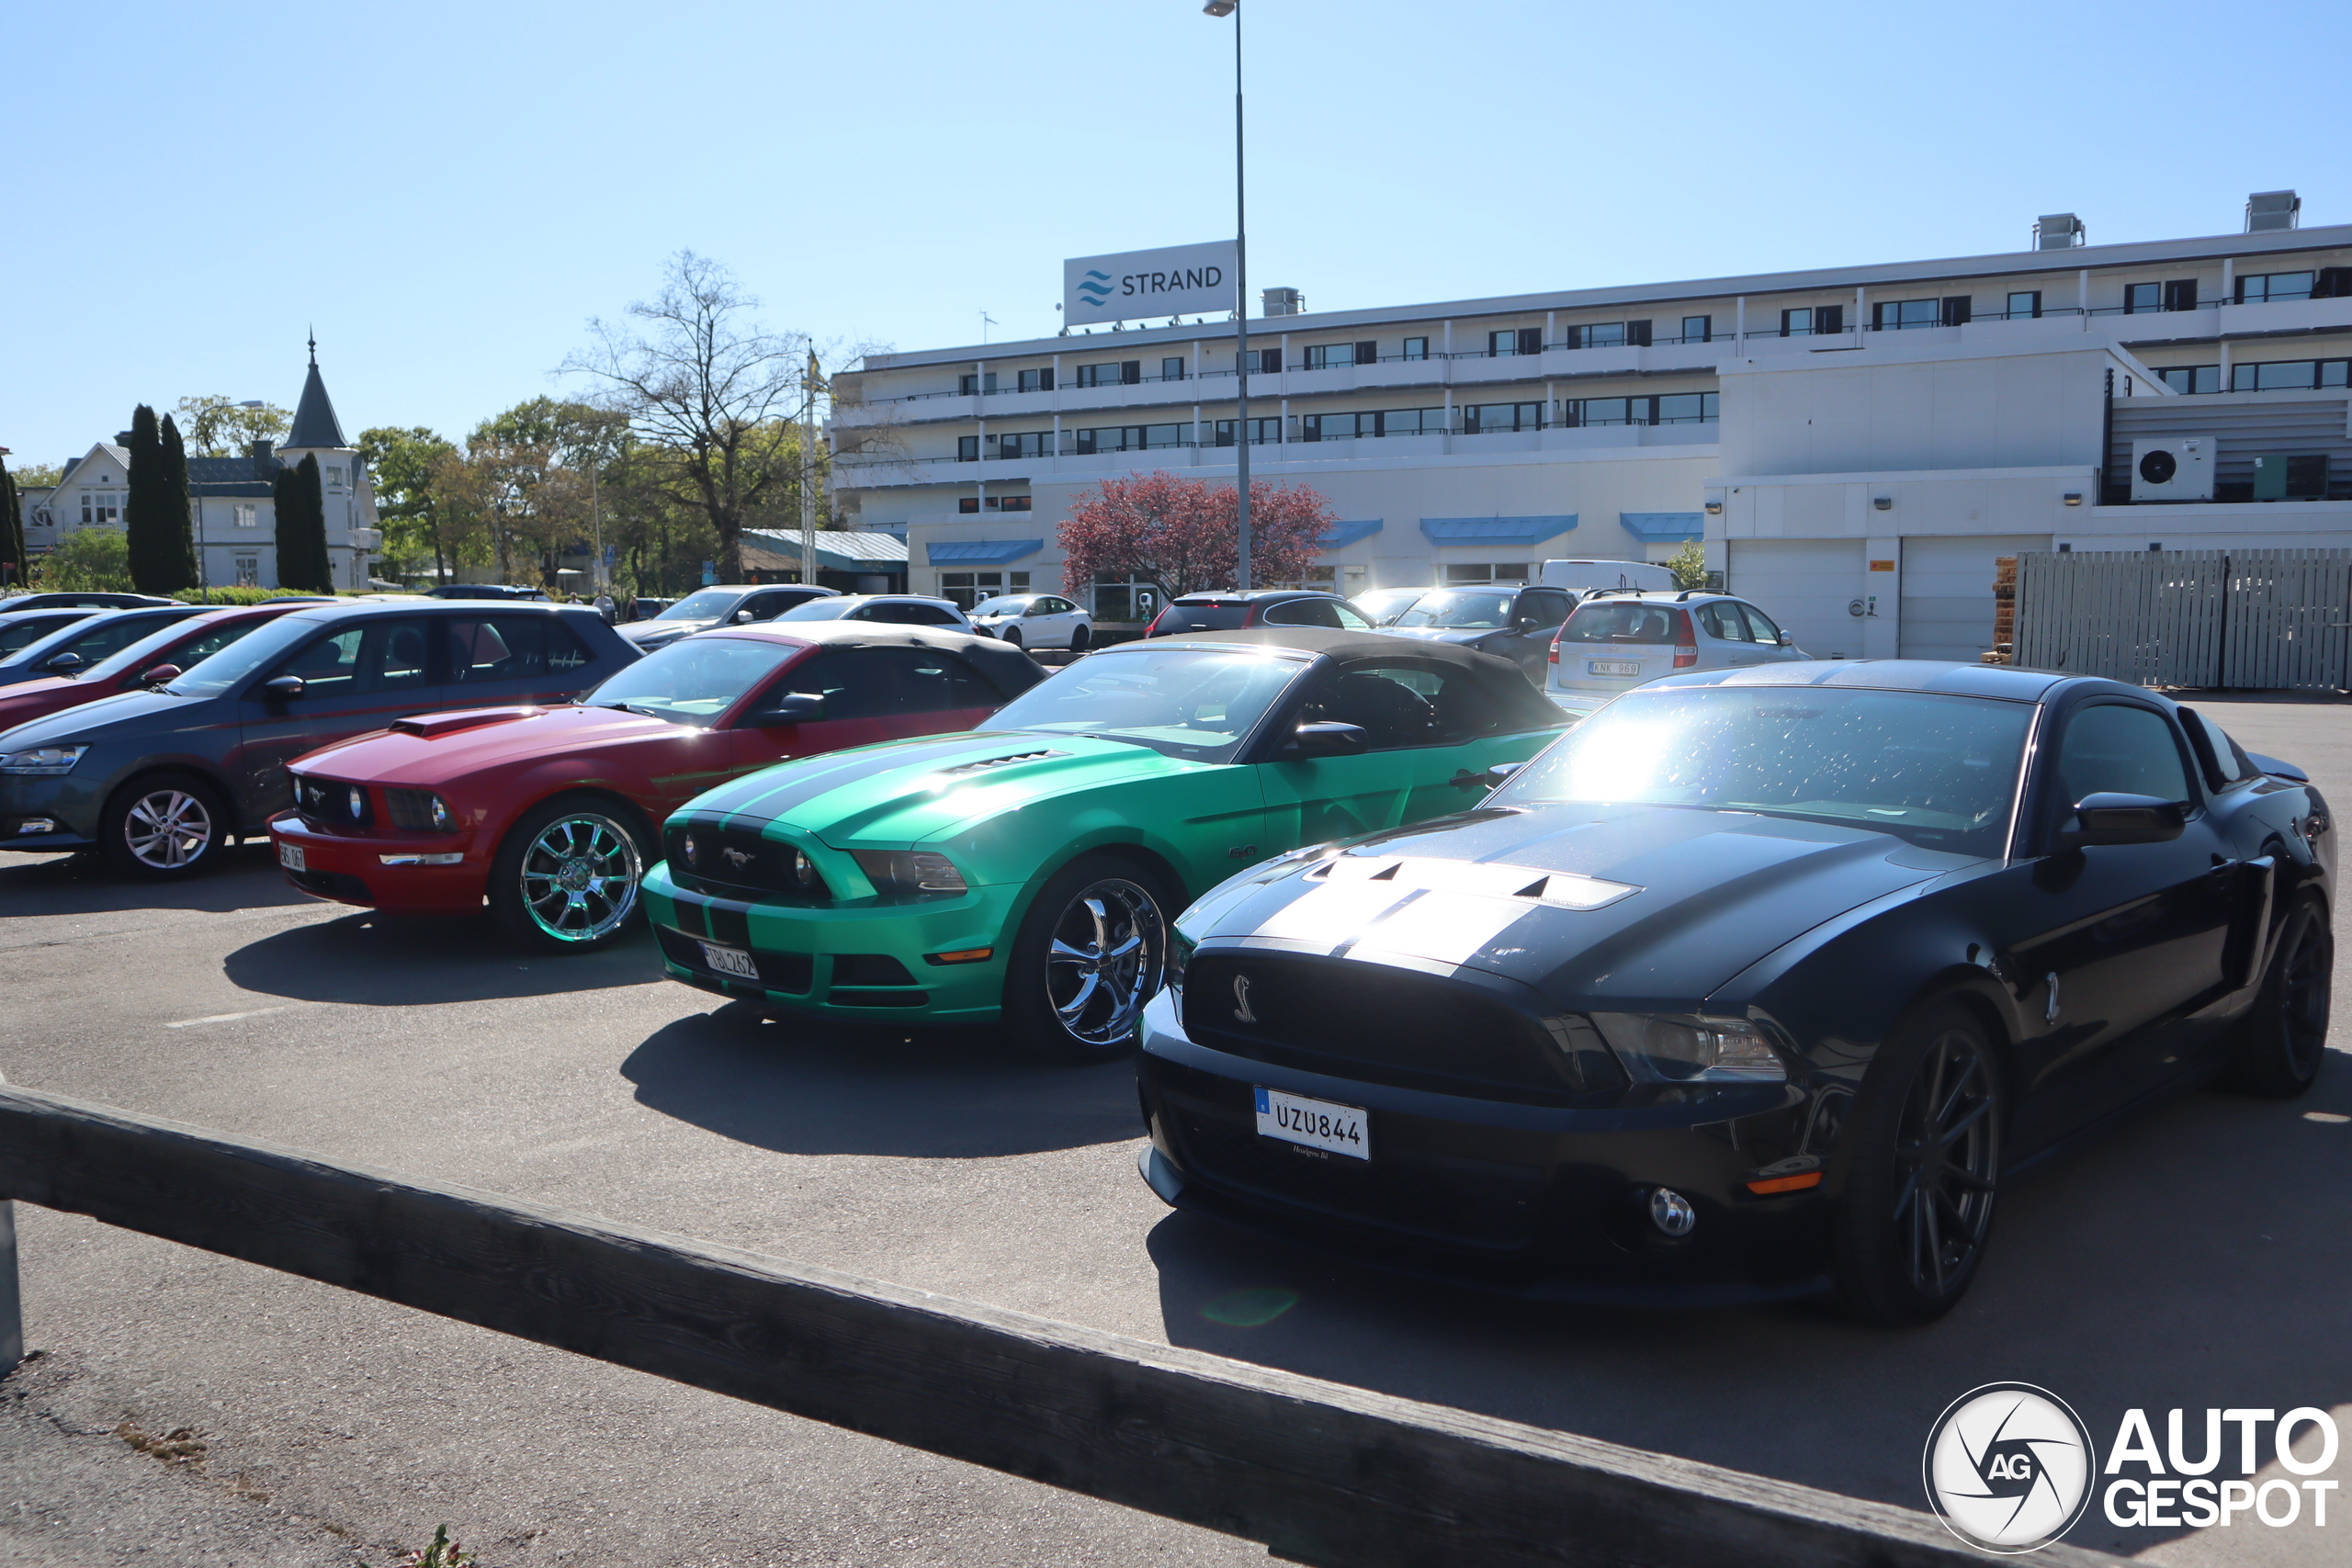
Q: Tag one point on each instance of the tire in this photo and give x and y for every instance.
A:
(1907, 1249)
(2276, 1050)
(566, 877)
(1079, 639)
(1010, 637)
(1062, 1000)
(163, 828)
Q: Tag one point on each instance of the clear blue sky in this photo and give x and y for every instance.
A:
(449, 191)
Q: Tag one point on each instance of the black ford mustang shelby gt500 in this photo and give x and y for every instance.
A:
(1757, 981)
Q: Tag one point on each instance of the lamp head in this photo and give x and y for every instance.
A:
(1221, 7)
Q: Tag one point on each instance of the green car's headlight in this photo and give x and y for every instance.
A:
(904, 872)
(42, 762)
(1670, 1048)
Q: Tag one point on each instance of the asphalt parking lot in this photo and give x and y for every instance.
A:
(2194, 1258)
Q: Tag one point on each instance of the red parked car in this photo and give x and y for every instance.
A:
(554, 814)
(160, 656)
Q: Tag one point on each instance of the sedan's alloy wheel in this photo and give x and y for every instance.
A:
(1948, 1156)
(1103, 960)
(580, 877)
(167, 829)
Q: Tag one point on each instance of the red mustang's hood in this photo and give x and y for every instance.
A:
(431, 751)
(29, 700)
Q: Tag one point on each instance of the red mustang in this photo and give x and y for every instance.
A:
(161, 655)
(556, 813)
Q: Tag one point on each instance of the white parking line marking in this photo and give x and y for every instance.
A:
(226, 1017)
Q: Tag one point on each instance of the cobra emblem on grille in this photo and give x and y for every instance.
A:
(1241, 1013)
(739, 859)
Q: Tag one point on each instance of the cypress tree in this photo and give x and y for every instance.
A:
(147, 511)
(175, 464)
(12, 530)
(300, 503)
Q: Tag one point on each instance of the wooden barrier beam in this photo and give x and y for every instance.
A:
(1319, 1472)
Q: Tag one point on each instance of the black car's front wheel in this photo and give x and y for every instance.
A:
(2276, 1048)
(1926, 1164)
(567, 876)
(1091, 952)
(163, 827)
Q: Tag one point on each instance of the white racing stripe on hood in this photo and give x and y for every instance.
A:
(1435, 910)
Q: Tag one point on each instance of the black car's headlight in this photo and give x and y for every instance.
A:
(42, 762)
(908, 871)
(1180, 955)
(1686, 1048)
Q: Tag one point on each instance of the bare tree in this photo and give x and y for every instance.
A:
(702, 379)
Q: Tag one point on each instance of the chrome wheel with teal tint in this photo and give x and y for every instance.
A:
(568, 879)
(1090, 954)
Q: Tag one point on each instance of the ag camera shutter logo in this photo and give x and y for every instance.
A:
(2008, 1468)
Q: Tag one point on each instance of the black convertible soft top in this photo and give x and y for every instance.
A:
(1522, 706)
(1012, 670)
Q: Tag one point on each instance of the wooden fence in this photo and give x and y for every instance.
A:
(1319, 1472)
(2247, 620)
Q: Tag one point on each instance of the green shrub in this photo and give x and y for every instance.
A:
(91, 560)
(234, 595)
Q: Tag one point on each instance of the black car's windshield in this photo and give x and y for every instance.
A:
(1453, 611)
(1195, 703)
(706, 605)
(1938, 771)
(231, 664)
(694, 680)
(1003, 605)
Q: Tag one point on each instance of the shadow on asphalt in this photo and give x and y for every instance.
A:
(2191, 1259)
(84, 885)
(372, 960)
(812, 1088)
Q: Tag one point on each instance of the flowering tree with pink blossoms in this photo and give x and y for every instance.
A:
(1183, 534)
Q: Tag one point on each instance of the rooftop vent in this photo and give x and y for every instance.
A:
(2271, 210)
(1284, 302)
(2057, 231)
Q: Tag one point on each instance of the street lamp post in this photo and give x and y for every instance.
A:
(1241, 301)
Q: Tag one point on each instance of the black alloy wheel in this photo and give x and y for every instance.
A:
(1926, 1141)
(1091, 951)
(2277, 1049)
(163, 827)
(1078, 639)
(1011, 635)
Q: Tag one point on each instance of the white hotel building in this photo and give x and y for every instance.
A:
(1854, 445)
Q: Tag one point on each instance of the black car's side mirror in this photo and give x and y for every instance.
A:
(280, 688)
(64, 664)
(1323, 739)
(2114, 819)
(1502, 771)
(793, 707)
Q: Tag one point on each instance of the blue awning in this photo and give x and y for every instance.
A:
(1665, 528)
(1345, 534)
(1495, 530)
(979, 552)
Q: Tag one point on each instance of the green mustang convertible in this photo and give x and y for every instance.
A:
(1029, 871)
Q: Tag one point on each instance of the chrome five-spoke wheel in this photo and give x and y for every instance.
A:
(578, 876)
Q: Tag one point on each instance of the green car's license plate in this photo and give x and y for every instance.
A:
(729, 961)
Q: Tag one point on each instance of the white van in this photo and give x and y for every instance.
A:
(1580, 576)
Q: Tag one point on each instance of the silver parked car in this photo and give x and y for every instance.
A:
(889, 609)
(1034, 620)
(1616, 640)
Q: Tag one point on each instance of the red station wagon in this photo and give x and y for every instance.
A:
(554, 814)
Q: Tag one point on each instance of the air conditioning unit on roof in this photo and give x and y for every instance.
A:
(2175, 467)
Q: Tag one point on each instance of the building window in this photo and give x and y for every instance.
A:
(1669, 408)
(2024, 305)
(973, 383)
(245, 515)
(334, 476)
(1813, 321)
(1133, 438)
(968, 448)
(2140, 298)
(1037, 380)
(2264, 286)
(1171, 368)
(1027, 444)
(1698, 328)
(2290, 374)
(1262, 431)
(2193, 379)
(1895, 315)
(1339, 355)
(1416, 349)
(1484, 419)
(1118, 598)
(1116, 373)
(1598, 334)
(971, 505)
(1265, 361)
(1498, 571)
(968, 588)
(1367, 425)
(249, 571)
(99, 507)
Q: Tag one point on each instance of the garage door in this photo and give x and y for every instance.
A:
(1805, 585)
(1948, 593)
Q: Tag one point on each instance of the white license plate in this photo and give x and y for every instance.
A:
(290, 856)
(1316, 1123)
(1612, 667)
(729, 961)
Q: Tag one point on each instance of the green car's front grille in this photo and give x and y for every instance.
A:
(731, 860)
